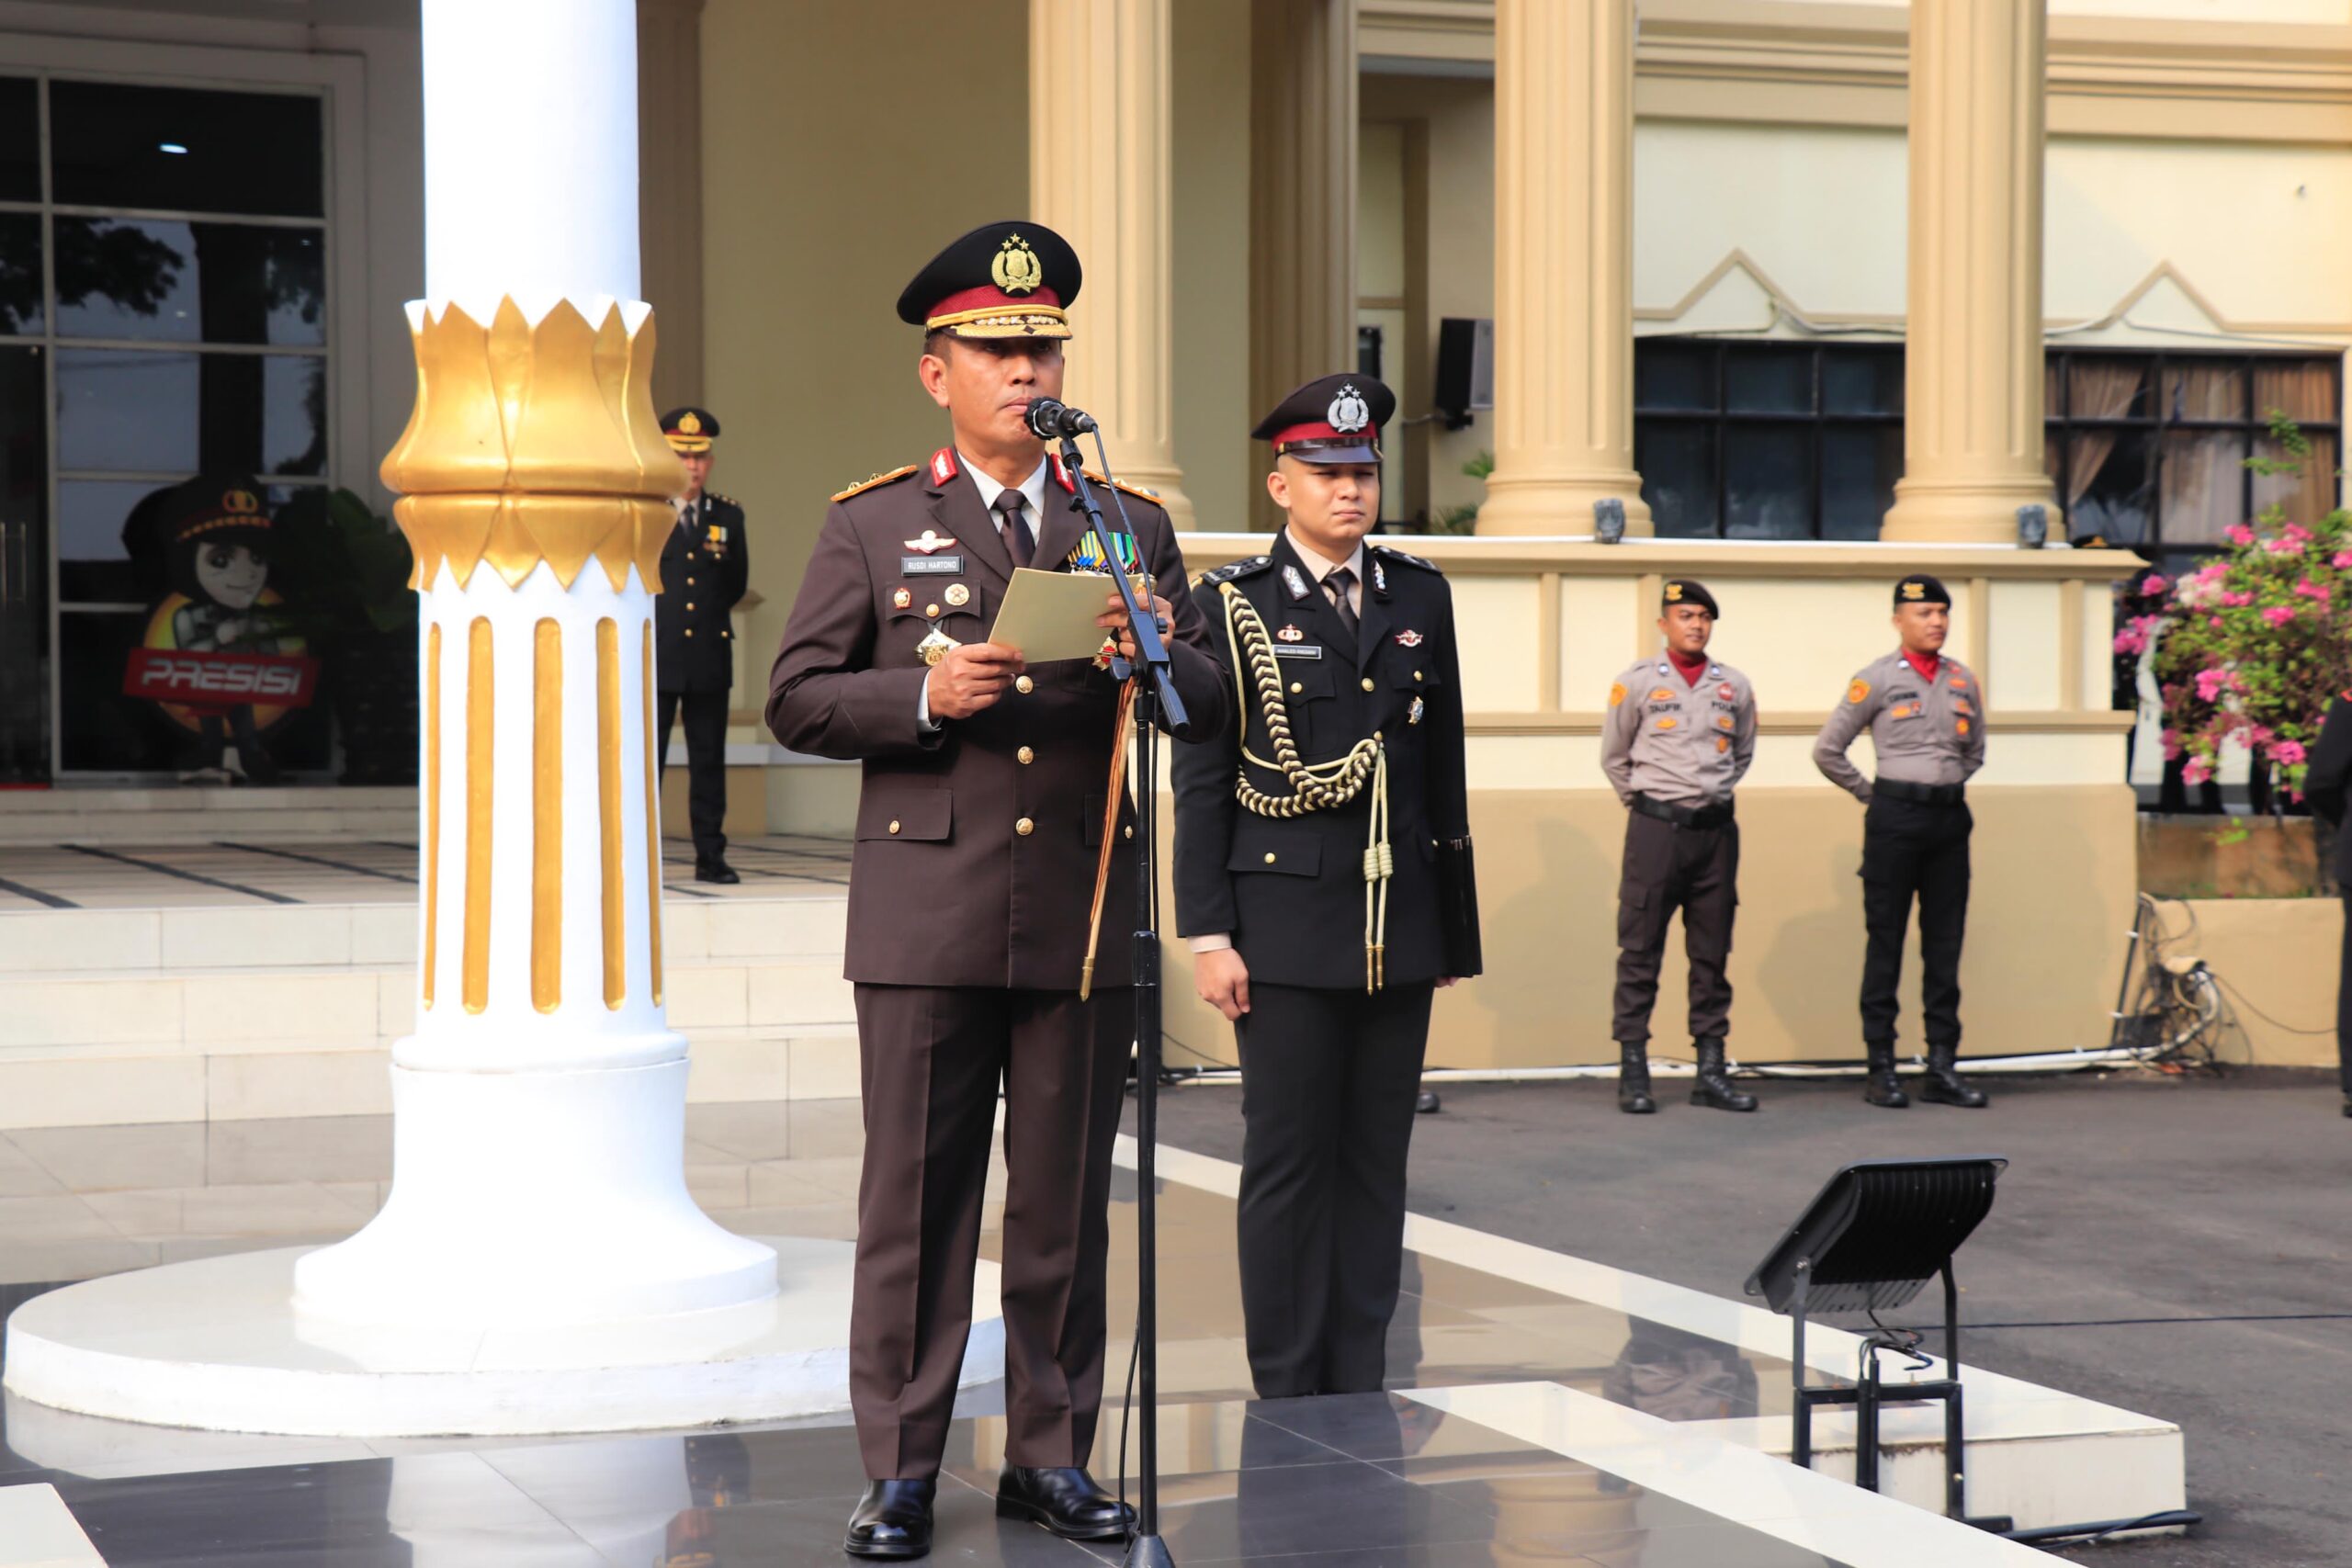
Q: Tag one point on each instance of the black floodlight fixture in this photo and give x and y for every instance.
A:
(1870, 1241)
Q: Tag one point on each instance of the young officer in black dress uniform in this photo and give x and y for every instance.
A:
(706, 565)
(1322, 874)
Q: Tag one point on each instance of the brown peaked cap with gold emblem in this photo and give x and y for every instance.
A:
(1003, 279)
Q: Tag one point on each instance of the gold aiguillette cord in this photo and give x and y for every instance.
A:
(1113, 799)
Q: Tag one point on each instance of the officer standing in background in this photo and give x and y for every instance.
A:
(1925, 716)
(1678, 737)
(1322, 872)
(706, 563)
(2326, 786)
(978, 826)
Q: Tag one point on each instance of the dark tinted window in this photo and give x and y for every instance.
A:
(20, 290)
(190, 282)
(19, 138)
(181, 149)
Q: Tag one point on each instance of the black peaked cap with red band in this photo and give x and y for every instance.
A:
(1003, 279)
(1332, 419)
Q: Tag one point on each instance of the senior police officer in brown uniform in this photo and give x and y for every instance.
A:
(1322, 877)
(1678, 737)
(978, 824)
(1925, 713)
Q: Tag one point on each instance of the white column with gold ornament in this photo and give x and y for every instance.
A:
(538, 1264)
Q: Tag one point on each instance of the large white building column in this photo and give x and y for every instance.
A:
(540, 1109)
(1973, 375)
(1099, 177)
(1563, 267)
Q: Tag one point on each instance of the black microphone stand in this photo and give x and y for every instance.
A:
(1152, 696)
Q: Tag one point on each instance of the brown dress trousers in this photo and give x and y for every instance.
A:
(970, 888)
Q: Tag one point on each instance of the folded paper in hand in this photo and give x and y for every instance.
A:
(1050, 614)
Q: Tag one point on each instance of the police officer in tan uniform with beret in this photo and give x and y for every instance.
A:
(1678, 737)
(979, 823)
(1925, 713)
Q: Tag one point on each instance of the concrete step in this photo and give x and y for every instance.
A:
(190, 814)
(54, 942)
(130, 1083)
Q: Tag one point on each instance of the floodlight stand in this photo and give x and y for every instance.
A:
(1868, 1396)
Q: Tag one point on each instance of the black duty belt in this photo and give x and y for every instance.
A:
(1684, 816)
(1924, 794)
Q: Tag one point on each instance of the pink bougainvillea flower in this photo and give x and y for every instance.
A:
(2238, 534)
(2157, 582)
(2342, 560)
(2197, 770)
(2277, 615)
(2287, 753)
(2210, 684)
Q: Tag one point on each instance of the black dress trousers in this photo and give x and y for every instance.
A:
(1329, 1080)
(706, 715)
(1912, 848)
(2343, 1002)
(1669, 867)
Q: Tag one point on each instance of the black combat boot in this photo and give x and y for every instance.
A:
(1943, 1086)
(1881, 1089)
(1633, 1077)
(1714, 1088)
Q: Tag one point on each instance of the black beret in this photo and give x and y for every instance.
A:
(1332, 419)
(1919, 588)
(1687, 591)
(690, 429)
(1003, 279)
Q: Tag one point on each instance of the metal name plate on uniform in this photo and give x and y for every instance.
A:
(1286, 651)
(938, 566)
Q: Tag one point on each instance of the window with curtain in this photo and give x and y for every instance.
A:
(2149, 449)
(1742, 440)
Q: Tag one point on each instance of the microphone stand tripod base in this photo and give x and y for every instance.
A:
(1147, 1552)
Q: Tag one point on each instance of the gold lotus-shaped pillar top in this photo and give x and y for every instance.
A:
(533, 443)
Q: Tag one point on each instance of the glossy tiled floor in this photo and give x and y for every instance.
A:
(254, 871)
(1551, 1451)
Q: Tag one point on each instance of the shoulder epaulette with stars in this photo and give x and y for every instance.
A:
(1134, 489)
(1233, 571)
(877, 479)
(723, 500)
(1394, 554)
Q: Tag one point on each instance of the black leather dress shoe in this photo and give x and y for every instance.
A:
(892, 1519)
(1065, 1500)
(714, 871)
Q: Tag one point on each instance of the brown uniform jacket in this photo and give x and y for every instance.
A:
(977, 844)
(1929, 732)
(1681, 744)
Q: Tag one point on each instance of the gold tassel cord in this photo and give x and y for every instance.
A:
(1316, 786)
(1113, 799)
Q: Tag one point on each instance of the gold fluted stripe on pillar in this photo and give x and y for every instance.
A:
(652, 823)
(608, 804)
(546, 814)
(432, 802)
(481, 711)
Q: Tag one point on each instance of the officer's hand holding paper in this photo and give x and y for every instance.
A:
(1053, 614)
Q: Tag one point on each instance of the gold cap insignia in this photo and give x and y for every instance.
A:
(1674, 593)
(1016, 269)
(690, 425)
(1915, 591)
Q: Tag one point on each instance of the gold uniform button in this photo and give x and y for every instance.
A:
(1025, 827)
(690, 583)
(1026, 755)
(1269, 857)
(1367, 682)
(1295, 688)
(932, 610)
(690, 604)
(1417, 674)
(1129, 831)
(690, 631)
(1025, 686)
(894, 825)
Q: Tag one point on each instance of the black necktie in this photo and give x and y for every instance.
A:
(1017, 541)
(1337, 584)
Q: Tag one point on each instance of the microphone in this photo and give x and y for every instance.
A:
(1050, 421)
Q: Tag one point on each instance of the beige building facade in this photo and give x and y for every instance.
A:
(1817, 290)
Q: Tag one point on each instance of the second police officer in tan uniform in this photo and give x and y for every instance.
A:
(1925, 713)
(1680, 735)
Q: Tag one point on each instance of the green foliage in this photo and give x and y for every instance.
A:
(1464, 519)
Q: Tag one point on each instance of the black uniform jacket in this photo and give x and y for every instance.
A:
(947, 885)
(2330, 776)
(705, 565)
(1291, 891)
